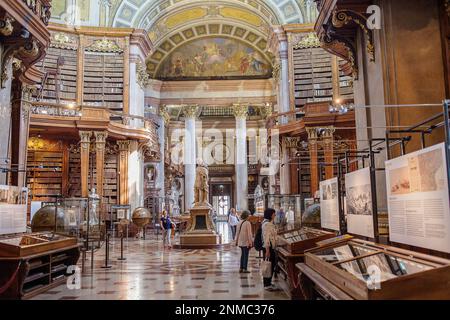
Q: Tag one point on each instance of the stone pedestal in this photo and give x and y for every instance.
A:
(201, 231)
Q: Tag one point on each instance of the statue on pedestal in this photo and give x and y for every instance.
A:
(201, 186)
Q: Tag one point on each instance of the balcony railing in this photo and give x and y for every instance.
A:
(97, 113)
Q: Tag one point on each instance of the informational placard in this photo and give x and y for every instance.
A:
(418, 199)
(329, 204)
(13, 209)
(359, 203)
(13, 219)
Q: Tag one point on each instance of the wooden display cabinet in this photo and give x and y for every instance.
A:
(362, 270)
(291, 249)
(32, 264)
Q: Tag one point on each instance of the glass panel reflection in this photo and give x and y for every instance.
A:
(389, 267)
(344, 252)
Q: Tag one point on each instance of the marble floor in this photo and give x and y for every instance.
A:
(154, 273)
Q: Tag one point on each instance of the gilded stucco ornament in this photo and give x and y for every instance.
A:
(63, 41)
(240, 110)
(29, 50)
(6, 27)
(164, 114)
(190, 111)
(310, 41)
(142, 76)
(105, 45)
(342, 18)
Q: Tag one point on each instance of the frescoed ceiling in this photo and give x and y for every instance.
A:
(172, 24)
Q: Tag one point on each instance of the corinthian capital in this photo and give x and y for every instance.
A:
(240, 110)
(190, 111)
(85, 136)
(100, 137)
(124, 145)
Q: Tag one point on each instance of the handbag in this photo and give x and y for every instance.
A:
(266, 268)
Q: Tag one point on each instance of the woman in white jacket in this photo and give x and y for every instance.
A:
(244, 240)
(269, 237)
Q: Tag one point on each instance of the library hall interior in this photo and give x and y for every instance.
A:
(185, 150)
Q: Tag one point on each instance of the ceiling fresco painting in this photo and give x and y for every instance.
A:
(214, 58)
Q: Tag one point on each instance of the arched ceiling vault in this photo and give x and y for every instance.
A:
(143, 13)
(172, 24)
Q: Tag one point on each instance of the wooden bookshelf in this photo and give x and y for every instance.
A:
(45, 175)
(313, 77)
(67, 77)
(103, 80)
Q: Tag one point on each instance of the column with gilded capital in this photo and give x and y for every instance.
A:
(284, 88)
(84, 157)
(328, 149)
(190, 154)
(124, 151)
(24, 134)
(314, 165)
(164, 121)
(100, 145)
(241, 165)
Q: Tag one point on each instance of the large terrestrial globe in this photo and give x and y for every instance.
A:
(44, 219)
(141, 217)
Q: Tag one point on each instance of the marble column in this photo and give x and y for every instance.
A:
(284, 106)
(5, 116)
(100, 145)
(284, 79)
(124, 151)
(328, 149)
(24, 134)
(164, 122)
(84, 155)
(190, 154)
(314, 165)
(241, 166)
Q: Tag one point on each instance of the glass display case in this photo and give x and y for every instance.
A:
(83, 219)
(292, 245)
(368, 271)
(299, 240)
(287, 203)
(34, 263)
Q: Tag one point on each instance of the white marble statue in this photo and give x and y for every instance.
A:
(201, 186)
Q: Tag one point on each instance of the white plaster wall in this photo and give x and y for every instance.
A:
(135, 176)
(371, 122)
(72, 14)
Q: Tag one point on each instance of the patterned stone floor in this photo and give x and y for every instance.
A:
(152, 273)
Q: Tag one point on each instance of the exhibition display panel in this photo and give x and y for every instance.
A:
(364, 270)
(292, 245)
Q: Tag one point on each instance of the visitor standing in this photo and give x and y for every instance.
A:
(244, 240)
(233, 221)
(280, 219)
(166, 226)
(269, 237)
